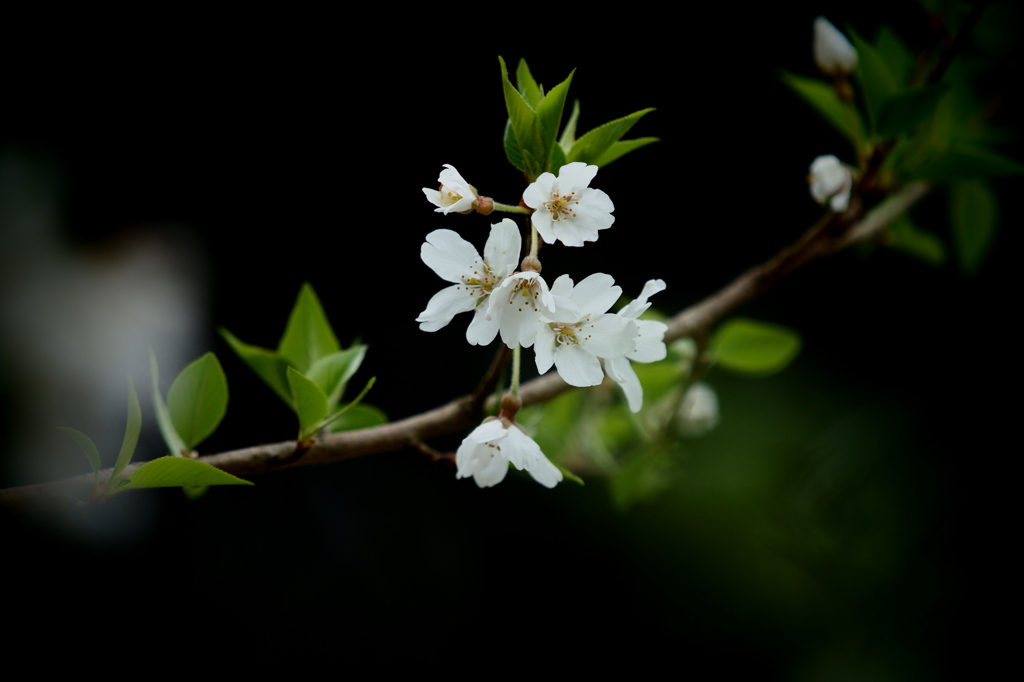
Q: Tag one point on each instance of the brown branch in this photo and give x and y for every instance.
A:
(831, 234)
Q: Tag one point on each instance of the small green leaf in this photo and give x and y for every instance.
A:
(901, 113)
(131, 436)
(907, 237)
(974, 214)
(823, 98)
(310, 403)
(360, 416)
(621, 148)
(874, 75)
(895, 53)
(267, 364)
(308, 336)
(175, 445)
(525, 126)
(513, 152)
(198, 400)
(966, 161)
(350, 406)
(568, 138)
(88, 447)
(171, 472)
(752, 347)
(592, 145)
(527, 86)
(549, 114)
(332, 372)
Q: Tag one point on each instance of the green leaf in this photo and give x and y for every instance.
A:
(360, 416)
(907, 237)
(525, 126)
(170, 472)
(267, 364)
(350, 406)
(903, 112)
(895, 53)
(88, 447)
(310, 403)
(549, 113)
(752, 347)
(308, 336)
(823, 98)
(966, 161)
(591, 146)
(527, 86)
(513, 152)
(621, 148)
(974, 214)
(332, 372)
(875, 78)
(198, 400)
(175, 445)
(131, 436)
(568, 138)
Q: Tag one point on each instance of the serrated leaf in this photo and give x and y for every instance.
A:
(557, 159)
(267, 364)
(907, 237)
(513, 152)
(198, 400)
(961, 162)
(360, 416)
(621, 148)
(308, 336)
(901, 113)
(752, 347)
(527, 86)
(525, 126)
(568, 138)
(594, 143)
(131, 435)
(171, 472)
(875, 78)
(823, 98)
(88, 447)
(332, 372)
(974, 214)
(310, 403)
(175, 445)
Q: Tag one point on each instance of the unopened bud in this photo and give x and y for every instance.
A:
(484, 205)
(833, 53)
(530, 263)
(509, 407)
(698, 413)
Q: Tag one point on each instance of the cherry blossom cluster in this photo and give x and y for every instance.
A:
(568, 324)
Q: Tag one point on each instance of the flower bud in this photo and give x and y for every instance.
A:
(509, 407)
(831, 182)
(530, 263)
(484, 205)
(833, 53)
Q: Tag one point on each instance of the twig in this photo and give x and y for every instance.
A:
(828, 236)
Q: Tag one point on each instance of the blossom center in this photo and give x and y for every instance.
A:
(562, 207)
(567, 333)
(525, 290)
(481, 280)
(448, 197)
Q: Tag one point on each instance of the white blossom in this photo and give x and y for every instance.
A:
(649, 346)
(455, 194)
(698, 413)
(581, 332)
(515, 306)
(831, 182)
(833, 53)
(566, 208)
(486, 452)
(475, 278)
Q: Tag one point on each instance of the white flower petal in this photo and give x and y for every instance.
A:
(443, 306)
(503, 247)
(596, 293)
(575, 176)
(486, 452)
(577, 366)
(622, 372)
(481, 330)
(637, 307)
(608, 336)
(448, 254)
(650, 343)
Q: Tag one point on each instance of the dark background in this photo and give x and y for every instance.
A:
(829, 525)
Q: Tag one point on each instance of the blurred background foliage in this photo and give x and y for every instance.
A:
(192, 172)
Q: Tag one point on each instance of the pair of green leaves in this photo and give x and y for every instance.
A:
(163, 472)
(310, 370)
(534, 119)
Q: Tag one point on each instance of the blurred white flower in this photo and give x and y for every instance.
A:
(455, 194)
(831, 182)
(698, 412)
(833, 53)
(486, 452)
(566, 208)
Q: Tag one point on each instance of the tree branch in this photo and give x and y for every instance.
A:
(831, 234)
